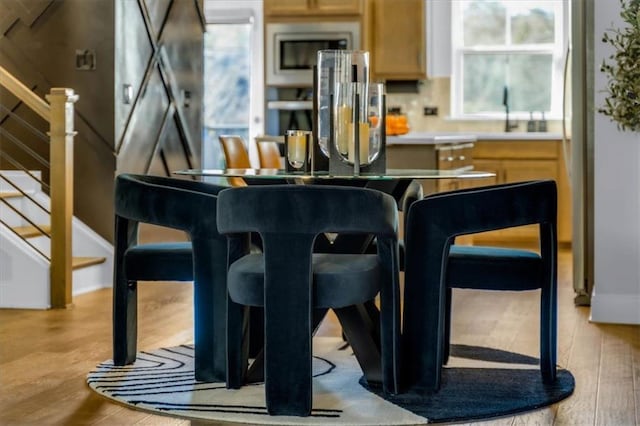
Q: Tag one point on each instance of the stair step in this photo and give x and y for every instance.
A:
(30, 231)
(83, 262)
(10, 194)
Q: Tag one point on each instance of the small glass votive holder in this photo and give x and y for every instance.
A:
(297, 149)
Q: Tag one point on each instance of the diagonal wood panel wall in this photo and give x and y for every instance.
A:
(140, 104)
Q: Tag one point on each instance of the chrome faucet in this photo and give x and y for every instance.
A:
(505, 101)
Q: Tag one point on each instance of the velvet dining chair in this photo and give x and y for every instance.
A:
(184, 205)
(434, 265)
(290, 281)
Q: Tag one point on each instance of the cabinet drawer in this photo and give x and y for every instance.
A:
(462, 156)
(516, 149)
(454, 156)
(445, 158)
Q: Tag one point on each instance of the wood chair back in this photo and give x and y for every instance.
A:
(269, 155)
(236, 156)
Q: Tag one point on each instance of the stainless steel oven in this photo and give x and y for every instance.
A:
(291, 49)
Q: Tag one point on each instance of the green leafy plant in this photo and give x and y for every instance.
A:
(622, 103)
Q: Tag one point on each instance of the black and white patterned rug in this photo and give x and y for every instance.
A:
(477, 383)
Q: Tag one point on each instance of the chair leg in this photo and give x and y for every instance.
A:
(255, 373)
(125, 321)
(447, 326)
(210, 310)
(237, 344)
(423, 333)
(288, 373)
(548, 334)
(288, 328)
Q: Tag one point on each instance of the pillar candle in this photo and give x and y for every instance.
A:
(363, 128)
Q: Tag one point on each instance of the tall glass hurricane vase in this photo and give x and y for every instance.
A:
(343, 107)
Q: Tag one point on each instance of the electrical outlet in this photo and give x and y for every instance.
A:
(430, 110)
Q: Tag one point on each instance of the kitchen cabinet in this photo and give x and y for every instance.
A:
(430, 153)
(396, 36)
(517, 160)
(312, 7)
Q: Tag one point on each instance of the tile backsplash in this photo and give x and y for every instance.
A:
(436, 92)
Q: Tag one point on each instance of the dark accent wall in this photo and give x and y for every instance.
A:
(152, 46)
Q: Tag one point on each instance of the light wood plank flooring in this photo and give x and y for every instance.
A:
(45, 355)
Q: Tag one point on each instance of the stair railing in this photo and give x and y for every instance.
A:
(59, 113)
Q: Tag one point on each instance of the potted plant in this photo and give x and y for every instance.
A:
(622, 102)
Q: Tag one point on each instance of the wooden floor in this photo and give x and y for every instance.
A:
(45, 355)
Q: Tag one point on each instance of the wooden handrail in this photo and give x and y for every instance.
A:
(59, 113)
(25, 94)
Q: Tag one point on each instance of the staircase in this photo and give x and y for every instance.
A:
(46, 254)
(25, 247)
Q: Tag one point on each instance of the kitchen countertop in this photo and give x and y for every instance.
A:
(430, 138)
(518, 136)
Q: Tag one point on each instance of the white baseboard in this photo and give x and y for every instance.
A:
(615, 308)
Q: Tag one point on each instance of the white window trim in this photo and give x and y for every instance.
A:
(557, 49)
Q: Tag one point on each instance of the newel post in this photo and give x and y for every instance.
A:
(61, 135)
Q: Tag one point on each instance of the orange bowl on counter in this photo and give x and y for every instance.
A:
(397, 124)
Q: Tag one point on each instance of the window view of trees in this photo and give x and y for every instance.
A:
(507, 43)
(227, 75)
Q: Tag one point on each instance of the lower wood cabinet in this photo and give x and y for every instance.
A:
(441, 156)
(514, 161)
(511, 161)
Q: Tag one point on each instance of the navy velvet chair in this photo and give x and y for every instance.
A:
(184, 205)
(290, 281)
(434, 266)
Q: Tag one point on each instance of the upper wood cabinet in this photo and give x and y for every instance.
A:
(312, 7)
(396, 34)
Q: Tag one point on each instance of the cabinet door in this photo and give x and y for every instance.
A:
(338, 7)
(521, 170)
(286, 7)
(517, 171)
(491, 166)
(398, 38)
(312, 7)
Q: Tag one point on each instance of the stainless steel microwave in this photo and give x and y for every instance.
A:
(291, 49)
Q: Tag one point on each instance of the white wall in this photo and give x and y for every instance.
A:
(616, 297)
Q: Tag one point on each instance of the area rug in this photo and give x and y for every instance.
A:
(478, 383)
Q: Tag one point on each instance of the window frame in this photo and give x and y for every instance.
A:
(558, 49)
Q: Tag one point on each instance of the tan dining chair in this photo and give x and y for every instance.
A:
(269, 154)
(236, 156)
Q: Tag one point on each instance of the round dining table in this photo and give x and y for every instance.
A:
(394, 182)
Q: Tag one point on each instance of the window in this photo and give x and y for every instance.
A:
(233, 76)
(227, 81)
(508, 52)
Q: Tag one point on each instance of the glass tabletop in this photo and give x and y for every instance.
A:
(388, 175)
